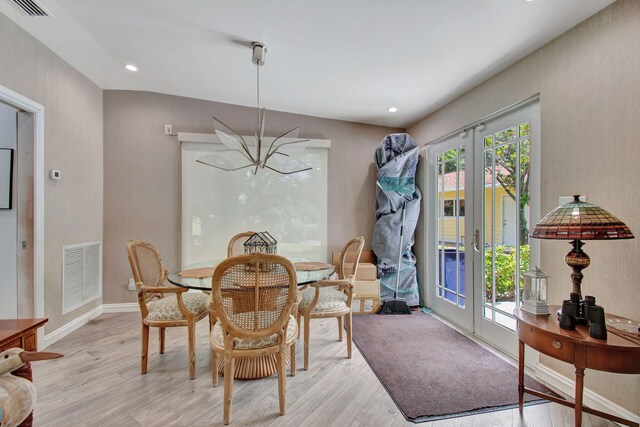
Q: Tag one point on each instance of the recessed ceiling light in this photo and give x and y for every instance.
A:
(131, 67)
(392, 109)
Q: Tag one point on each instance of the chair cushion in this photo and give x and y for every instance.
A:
(167, 308)
(251, 343)
(330, 299)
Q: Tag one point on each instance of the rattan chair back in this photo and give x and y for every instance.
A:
(236, 244)
(147, 268)
(351, 256)
(253, 294)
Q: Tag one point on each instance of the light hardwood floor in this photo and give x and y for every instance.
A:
(98, 383)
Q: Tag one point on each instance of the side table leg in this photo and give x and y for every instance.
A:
(578, 397)
(520, 375)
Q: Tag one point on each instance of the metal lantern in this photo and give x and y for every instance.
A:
(262, 242)
(535, 295)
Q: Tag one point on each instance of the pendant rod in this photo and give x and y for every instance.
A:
(258, 95)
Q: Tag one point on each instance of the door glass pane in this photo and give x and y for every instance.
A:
(450, 223)
(506, 215)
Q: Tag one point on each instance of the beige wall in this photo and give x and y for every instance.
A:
(589, 85)
(142, 173)
(73, 144)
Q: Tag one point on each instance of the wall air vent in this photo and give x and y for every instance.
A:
(30, 7)
(81, 275)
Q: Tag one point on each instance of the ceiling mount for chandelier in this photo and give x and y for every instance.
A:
(239, 155)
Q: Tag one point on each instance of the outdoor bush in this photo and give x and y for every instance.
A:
(505, 270)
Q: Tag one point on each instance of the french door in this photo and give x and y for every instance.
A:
(449, 186)
(481, 201)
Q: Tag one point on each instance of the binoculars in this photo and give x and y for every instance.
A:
(577, 311)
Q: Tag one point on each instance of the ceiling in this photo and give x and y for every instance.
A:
(348, 60)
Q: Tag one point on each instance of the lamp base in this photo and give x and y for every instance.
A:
(578, 260)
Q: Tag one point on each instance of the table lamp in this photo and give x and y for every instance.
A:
(577, 221)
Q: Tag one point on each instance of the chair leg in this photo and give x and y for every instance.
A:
(298, 317)
(229, 365)
(349, 343)
(214, 368)
(162, 339)
(191, 328)
(145, 349)
(293, 359)
(282, 378)
(340, 328)
(307, 332)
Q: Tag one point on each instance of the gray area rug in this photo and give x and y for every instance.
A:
(435, 372)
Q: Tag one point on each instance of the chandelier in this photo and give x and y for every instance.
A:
(237, 153)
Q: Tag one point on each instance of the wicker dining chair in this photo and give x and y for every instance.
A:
(332, 298)
(236, 244)
(163, 306)
(253, 297)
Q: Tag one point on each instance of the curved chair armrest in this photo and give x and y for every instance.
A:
(169, 290)
(344, 285)
(161, 289)
(331, 283)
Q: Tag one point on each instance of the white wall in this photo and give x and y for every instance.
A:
(8, 222)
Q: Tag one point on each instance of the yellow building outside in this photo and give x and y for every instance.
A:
(505, 218)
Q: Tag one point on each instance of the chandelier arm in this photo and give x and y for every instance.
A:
(271, 153)
(225, 169)
(237, 151)
(288, 173)
(278, 137)
(245, 147)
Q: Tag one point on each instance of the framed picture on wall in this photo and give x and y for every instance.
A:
(6, 177)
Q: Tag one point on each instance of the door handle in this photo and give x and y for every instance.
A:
(476, 240)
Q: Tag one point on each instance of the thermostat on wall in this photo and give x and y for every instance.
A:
(54, 175)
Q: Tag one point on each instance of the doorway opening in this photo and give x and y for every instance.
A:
(30, 122)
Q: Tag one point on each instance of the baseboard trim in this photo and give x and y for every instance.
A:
(590, 398)
(125, 307)
(68, 328)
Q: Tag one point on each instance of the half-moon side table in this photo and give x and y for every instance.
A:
(543, 333)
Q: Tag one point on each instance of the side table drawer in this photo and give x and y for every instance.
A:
(548, 344)
(29, 342)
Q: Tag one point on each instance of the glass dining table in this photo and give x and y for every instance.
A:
(198, 276)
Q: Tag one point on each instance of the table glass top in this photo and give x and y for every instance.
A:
(204, 284)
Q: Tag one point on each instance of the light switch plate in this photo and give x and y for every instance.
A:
(566, 199)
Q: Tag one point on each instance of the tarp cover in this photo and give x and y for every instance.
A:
(396, 161)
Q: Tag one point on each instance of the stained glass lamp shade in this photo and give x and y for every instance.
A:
(577, 221)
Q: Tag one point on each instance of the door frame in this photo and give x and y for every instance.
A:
(14, 99)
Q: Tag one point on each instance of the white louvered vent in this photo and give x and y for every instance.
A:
(81, 275)
(30, 7)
